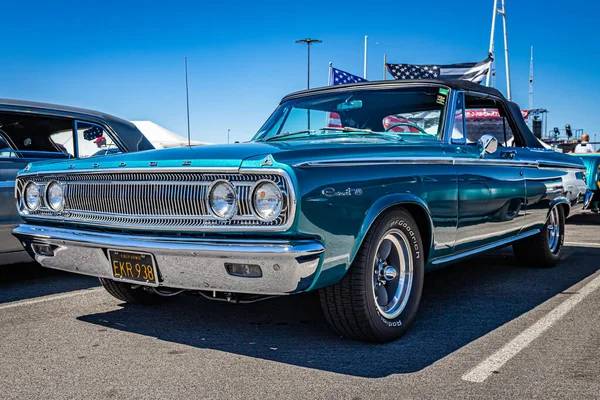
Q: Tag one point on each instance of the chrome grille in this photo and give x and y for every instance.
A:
(170, 200)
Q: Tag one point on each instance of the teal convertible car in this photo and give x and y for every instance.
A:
(354, 191)
(592, 163)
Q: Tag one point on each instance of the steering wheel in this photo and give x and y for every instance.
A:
(406, 124)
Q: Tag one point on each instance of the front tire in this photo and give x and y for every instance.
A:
(130, 294)
(378, 298)
(544, 250)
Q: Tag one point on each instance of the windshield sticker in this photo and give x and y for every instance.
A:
(441, 99)
(443, 91)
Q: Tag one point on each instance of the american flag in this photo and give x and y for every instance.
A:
(339, 77)
(474, 72)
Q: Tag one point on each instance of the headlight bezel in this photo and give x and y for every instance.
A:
(209, 205)
(24, 201)
(47, 196)
(254, 207)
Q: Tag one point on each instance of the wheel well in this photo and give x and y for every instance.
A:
(566, 209)
(422, 220)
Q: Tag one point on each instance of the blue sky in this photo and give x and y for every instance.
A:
(126, 57)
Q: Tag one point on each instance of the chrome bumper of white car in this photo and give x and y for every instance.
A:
(288, 266)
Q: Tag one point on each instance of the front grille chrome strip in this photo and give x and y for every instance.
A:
(166, 200)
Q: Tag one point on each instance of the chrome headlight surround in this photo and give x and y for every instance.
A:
(56, 200)
(275, 212)
(210, 199)
(26, 204)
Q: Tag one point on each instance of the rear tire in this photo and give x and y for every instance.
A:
(390, 260)
(544, 250)
(127, 293)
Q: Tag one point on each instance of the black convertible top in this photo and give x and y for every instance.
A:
(515, 111)
(127, 132)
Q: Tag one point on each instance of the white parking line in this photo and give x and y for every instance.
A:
(494, 362)
(584, 244)
(44, 299)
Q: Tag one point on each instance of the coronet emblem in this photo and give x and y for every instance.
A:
(331, 192)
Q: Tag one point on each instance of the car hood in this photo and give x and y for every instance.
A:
(248, 154)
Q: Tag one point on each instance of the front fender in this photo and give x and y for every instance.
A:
(389, 201)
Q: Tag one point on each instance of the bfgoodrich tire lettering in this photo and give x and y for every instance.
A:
(545, 249)
(357, 306)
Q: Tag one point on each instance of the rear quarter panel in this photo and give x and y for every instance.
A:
(592, 165)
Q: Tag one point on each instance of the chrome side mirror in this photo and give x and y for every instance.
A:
(487, 144)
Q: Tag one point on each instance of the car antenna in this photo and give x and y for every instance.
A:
(187, 101)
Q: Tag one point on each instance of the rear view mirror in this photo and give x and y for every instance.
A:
(349, 105)
(487, 144)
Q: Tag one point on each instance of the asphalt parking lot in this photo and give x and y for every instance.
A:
(487, 327)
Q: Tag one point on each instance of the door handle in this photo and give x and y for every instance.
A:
(508, 154)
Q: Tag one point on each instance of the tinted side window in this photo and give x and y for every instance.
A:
(31, 134)
(64, 141)
(5, 150)
(93, 140)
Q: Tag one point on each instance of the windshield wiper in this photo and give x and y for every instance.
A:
(367, 131)
(288, 134)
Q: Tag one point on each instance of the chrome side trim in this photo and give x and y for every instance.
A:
(139, 170)
(344, 162)
(557, 164)
(481, 249)
(355, 162)
(495, 162)
(7, 184)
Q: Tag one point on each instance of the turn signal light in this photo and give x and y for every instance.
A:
(43, 249)
(243, 270)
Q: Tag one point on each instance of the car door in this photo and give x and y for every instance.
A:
(491, 185)
(10, 165)
(25, 137)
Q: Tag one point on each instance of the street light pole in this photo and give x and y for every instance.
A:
(309, 43)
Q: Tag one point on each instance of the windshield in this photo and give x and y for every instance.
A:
(397, 114)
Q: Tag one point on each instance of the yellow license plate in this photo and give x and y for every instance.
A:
(133, 267)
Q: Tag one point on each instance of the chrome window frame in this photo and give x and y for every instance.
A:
(72, 115)
(76, 136)
(509, 118)
(374, 87)
(452, 118)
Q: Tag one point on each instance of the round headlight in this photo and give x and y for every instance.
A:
(267, 200)
(54, 196)
(222, 199)
(32, 198)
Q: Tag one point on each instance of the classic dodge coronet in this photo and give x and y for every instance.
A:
(352, 190)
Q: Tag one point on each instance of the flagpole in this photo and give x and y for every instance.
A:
(384, 67)
(531, 80)
(491, 48)
(503, 13)
(187, 100)
(365, 66)
(330, 73)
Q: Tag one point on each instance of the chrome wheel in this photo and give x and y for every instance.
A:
(392, 273)
(553, 230)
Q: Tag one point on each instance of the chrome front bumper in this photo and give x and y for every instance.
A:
(184, 263)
